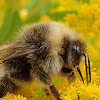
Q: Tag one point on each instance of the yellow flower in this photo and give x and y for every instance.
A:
(71, 19)
(65, 5)
(72, 91)
(84, 10)
(83, 26)
(90, 92)
(96, 26)
(94, 53)
(23, 13)
(13, 97)
(91, 34)
(95, 10)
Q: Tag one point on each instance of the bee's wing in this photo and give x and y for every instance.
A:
(11, 53)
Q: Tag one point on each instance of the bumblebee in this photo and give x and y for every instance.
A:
(39, 51)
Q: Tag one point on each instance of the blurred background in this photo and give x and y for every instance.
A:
(81, 15)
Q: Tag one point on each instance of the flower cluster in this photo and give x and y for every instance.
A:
(69, 91)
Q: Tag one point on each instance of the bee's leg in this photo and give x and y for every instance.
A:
(69, 73)
(44, 77)
(6, 85)
(47, 93)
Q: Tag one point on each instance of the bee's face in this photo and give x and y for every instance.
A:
(73, 53)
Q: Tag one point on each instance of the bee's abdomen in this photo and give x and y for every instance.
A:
(19, 69)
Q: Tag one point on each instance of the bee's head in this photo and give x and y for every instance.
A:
(74, 52)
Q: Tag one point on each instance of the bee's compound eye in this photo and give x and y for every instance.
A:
(75, 48)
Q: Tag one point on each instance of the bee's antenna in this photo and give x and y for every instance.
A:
(78, 69)
(86, 68)
(89, 69)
